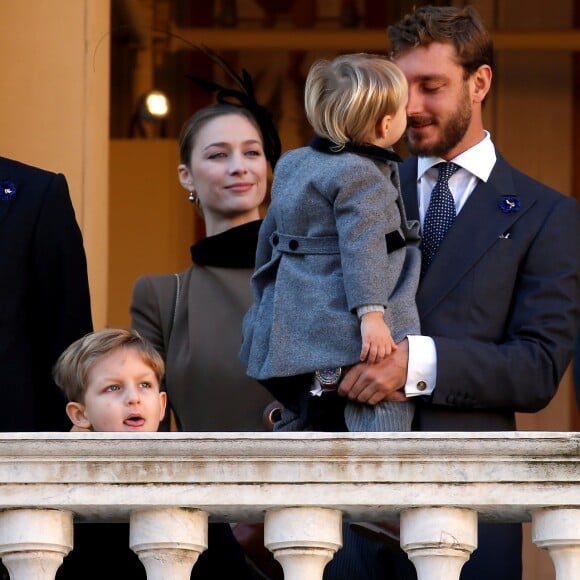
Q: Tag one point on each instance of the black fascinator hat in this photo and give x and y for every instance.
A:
(244, 97)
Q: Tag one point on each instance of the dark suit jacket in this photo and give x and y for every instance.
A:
(44, 294)
(501, 300)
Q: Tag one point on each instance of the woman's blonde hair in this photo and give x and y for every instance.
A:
(346, 97)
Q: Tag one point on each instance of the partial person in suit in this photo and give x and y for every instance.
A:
(500, 301)
(337, 264)
(44, 295)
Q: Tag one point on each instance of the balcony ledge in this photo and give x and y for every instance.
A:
(238, 476)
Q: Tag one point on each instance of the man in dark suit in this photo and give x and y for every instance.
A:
(500, 300)
(44, 294)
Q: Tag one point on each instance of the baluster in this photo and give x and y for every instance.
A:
(558, 531)
(168, 540)
(33, 542)
(438, 540)
(303, 539)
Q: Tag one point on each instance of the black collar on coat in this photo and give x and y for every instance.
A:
(371, 151)
(234, 248)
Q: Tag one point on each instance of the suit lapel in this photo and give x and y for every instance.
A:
(477, 227)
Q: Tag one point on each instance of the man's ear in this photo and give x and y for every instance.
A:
(481, 79)
(76, 413)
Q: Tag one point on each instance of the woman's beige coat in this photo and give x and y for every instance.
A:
(207, 385)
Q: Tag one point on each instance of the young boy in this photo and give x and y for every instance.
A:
(112, 379)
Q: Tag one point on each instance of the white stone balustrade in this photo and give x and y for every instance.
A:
(300, 484)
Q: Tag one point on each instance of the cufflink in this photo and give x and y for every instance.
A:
(421, 386)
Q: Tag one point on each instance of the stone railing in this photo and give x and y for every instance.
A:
(301, 485)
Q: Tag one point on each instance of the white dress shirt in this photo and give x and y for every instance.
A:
(475, 165)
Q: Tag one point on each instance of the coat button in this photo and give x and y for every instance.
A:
(293, 244)
(275, 240)
(421, 385)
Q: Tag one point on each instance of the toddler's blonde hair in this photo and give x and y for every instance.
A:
(346, 97)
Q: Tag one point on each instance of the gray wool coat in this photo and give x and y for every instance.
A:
(321, 254)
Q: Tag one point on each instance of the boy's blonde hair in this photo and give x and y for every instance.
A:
(72, 368)
(346, 97)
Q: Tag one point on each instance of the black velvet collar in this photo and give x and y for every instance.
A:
(234, 248)
(371, 151)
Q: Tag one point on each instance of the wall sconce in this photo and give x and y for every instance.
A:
(152, 110)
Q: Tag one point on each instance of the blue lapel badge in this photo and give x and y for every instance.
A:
(7, 190)
(509, 204)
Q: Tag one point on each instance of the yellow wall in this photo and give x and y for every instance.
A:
(54, 108)
(151, 222)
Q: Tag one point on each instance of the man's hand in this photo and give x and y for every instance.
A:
(382, 381)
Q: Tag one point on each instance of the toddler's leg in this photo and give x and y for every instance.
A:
(385, 416)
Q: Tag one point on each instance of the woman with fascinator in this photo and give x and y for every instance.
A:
(194, 318)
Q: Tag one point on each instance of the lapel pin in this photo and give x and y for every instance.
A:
(509, 203)
(7, 190)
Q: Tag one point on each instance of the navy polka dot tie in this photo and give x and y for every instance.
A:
(440, 214)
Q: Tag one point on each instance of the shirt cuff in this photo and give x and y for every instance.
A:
(422, 366)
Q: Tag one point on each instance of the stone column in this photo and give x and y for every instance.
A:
(303, 539)
(558, 531)
(33, 542)
(439, 540)
(168, 540)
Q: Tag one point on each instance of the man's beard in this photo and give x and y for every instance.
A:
(453, 132)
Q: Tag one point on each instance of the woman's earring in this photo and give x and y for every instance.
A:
(192, 197)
